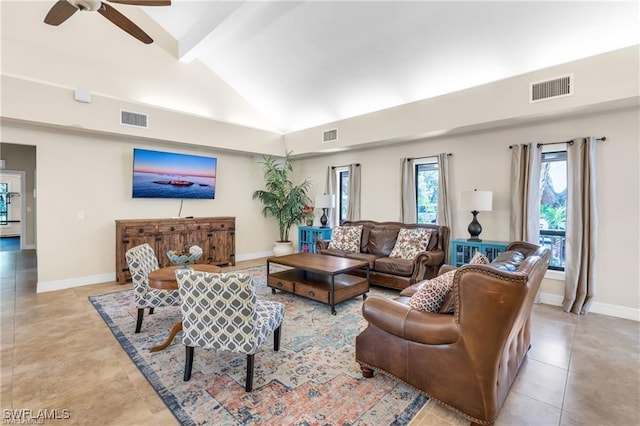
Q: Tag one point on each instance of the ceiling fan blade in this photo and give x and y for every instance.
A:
(124, 23)
(60, 12)
(143, 2)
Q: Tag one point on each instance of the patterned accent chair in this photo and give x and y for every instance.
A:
(142, 260)
(221, 312)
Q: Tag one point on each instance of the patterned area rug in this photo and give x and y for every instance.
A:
(313, 379)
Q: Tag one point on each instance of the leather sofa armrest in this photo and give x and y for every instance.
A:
(423, 261)
(431, 257)
(322, 244)
(410, 324)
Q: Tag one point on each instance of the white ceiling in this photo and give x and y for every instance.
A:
(303, 64)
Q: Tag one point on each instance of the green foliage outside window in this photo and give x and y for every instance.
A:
(427, 192)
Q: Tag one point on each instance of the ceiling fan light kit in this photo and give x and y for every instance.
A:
(63, 9)
(86, 5)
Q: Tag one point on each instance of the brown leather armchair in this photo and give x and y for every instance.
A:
(468, 359)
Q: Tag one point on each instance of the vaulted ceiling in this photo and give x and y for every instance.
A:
(305, 63)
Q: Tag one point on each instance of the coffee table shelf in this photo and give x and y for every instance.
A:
(318, 277)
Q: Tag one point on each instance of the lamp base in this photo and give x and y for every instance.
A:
(474, 227)
(323, 219)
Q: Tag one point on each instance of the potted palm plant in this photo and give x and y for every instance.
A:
(282, 199)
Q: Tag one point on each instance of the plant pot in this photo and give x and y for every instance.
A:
(309, 222)
(282, 248)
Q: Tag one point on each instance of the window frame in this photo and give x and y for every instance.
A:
(432, 164)
(341, 173)
(4, 191)
(553, 153)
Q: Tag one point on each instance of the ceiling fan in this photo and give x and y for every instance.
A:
(63, 9)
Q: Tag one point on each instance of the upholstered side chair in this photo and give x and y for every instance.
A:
(142, 260)
(221, 312)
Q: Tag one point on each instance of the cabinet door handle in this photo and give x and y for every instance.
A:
(141, 230)
(279, 284)
(311, 293)
(172, 229)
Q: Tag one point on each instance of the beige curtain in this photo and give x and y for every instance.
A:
(526, 161)
(582, 226)
(444, 199)
(443, 217)
(353, 207)
(331, 189)
(408, 192)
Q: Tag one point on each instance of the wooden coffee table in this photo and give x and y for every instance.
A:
(165, 279)
(319, 277)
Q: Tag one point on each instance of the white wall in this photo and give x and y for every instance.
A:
(482, 160)
(84, 172)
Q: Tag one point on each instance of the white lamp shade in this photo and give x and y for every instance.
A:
(477, 200)
(325, 201)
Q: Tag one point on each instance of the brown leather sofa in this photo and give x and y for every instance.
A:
(468, 359)
(377, 241)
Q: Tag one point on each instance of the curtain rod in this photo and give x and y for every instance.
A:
(428, 156)
(604, 138)
(346, 165)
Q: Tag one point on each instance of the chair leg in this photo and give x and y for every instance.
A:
(188, 363)
(276, 339)
(249, 383)
(139, 321)
(150, 311)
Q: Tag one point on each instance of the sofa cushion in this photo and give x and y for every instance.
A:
(363, 256)
(410, 242)
(431, 294)
(394, 266)
(334, 252)
(382, 240)
(346, 238)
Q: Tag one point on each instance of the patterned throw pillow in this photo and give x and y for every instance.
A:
(430, 296)
(479, 259)
(410, 242)
(346, 238)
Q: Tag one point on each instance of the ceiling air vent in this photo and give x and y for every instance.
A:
(330, 135)
(135, 119)
(551, 89)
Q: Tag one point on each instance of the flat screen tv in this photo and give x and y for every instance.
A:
(159, 174)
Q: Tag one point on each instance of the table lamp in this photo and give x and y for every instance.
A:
(476, 201)
(325, 201)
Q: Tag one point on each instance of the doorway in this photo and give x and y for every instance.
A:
(17, 197)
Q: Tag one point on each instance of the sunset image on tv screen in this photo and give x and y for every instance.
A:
(159, 174)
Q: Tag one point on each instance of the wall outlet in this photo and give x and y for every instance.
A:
(80, 215)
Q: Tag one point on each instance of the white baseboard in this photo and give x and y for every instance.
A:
(43, 287)
(596, 307)
(105, 278)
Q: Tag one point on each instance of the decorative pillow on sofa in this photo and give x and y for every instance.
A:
(346, 238)
(430, 296)
(410, 242)
(449, 301)
(479, 259)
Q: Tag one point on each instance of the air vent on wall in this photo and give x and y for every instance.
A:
(551, 89)
(330, 135)
(136, 119)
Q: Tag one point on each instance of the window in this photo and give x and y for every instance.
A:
(4, 188)
(343, 196)
(426, 173)
(553, 206)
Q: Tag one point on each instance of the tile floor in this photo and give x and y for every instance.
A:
(56, 352)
